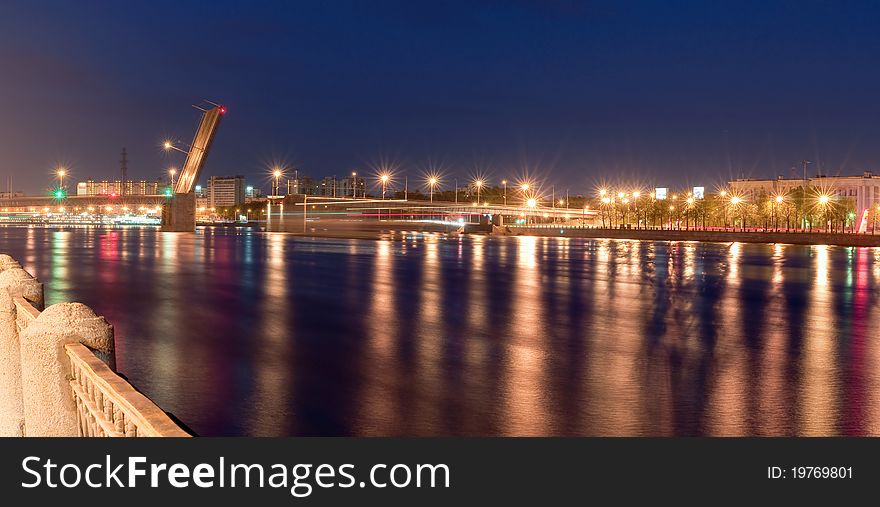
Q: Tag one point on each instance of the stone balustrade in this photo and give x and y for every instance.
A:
(57, 370)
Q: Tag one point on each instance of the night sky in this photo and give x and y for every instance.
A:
(576, 93)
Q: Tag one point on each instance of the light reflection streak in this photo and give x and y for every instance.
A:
(816, 393)
(523, 384)
(273, 347)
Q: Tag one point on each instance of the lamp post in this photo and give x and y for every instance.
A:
(384, 179)
(479, 184)
(636, 194)
(823, 201)
(531, 203)
(504, 182)
(723, 194)
(354, 183)
(61, 172)
(432, 182)
(687, 214)
(735, 201)
(778, 200)
(172, 172)
(277, 175)
(168, 145)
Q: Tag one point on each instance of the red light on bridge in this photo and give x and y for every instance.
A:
(222, 109)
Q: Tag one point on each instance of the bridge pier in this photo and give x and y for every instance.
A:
(179, 213)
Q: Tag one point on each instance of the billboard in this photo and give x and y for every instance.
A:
(660, 193)
(699, 192)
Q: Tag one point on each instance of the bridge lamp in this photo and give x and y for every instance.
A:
(823, 199)
(636, 194)
(779, 199)
(168, 145)
(735, 200)
(532, 202)
(723, 193)
(620, 195)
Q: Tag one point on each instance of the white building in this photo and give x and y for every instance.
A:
(225, 191)
(863, 190)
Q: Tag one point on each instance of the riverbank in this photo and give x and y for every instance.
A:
(353, 229)
(792, 238)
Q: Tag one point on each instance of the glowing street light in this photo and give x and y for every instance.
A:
(531, 202)
(723, 193)
(479, 184)
(735, 200)
(504, 182)
(432, 182)
(172, 172)
(354, 181)
(61, 172)
(277, 174)
(168, 145)
(823, 199)
(384, 178)
(636, 194)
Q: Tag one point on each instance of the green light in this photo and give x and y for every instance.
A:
(59, 194)
(167, 192)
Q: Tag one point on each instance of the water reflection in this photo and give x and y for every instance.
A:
(245, 333)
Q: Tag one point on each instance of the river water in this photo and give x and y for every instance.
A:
(240, 332)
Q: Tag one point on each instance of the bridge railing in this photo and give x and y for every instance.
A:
(25, 313)
(59, 370)
(108, 406)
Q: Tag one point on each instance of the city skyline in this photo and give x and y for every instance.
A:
(611, 92)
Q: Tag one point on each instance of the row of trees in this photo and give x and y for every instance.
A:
(798, 210)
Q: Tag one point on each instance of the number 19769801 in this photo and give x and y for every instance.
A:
(810, 472)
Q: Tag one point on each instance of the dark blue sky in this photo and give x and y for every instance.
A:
(676, 92)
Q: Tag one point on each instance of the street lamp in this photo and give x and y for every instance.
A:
(432, 182)
(778, 200)
(277, 174)
(687, 214)
(735, 201)
(61, 172)
(354, 182)
(384, 179)
(479, 184)
(823, 201)
(504, 182)
(172, 172)
(168, 145)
